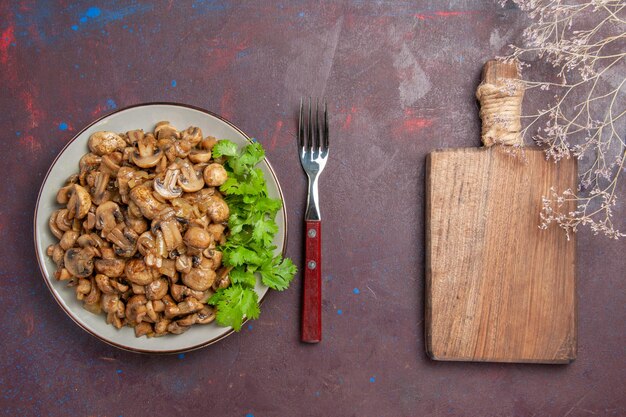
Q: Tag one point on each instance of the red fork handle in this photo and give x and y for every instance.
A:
(312, 292)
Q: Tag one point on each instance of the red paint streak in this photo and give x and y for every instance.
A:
(30, 143)
(348, 122)
(413, 125)
(222, 54)
(443, 13)
(226, 104)
(99, 109)
(6, 39)
(29, 323)
(277, 129)
(36, 114)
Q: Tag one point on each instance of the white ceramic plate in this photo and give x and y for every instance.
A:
(143, 116)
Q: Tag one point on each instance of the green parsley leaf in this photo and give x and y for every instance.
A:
(248, 249)
(233, 304)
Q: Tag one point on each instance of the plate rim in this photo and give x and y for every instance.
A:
(38, 254)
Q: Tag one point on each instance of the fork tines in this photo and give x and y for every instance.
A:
(311, 133)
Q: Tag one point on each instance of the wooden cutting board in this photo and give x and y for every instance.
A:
(498, 288)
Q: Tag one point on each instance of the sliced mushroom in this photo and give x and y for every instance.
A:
(138, 289)
(189, 180)
(104, 142)
(88, 162)
(176, 329)
(222, 281)
(136, 309)
(188, 320)
(147, 154)
(192, 134)
(138, 224)
(134, 136)
(93, 298)
(57, 255)
(215, 175)
(124, 240)
(143, 198)
(198, 156)
(124, 175)
(52, 225)
(79, 261)
(139, 273)
(206, 315)
(153, 316)
(156, 289)
(90, 240)
(164, 129)
(167, 224)
(63, 195)
(158, 305)
(184, 264)
(112, 268)
(160, 327)
(63, 221)
(68, 239)
(200, 278)
(168, 267)
(108, 215)
(104, 284)
(111, 163)
(83, 287)
(79, 202)
(100, 193)
(62, 274)
(166, 187)
(90, 221)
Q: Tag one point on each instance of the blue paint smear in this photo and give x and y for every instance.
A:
(93, 12)
(62, 126)
(181, 356)
(340, 312)
(301, 14)
(18, 133)
(317, 393)
(209, 5)
(111, 104)
(243, 53)
(83, 19)
(249, 327)
(249, 415)
(356, 291)
(74, 27)
(119, 371)
(373, 379)
(173, 83)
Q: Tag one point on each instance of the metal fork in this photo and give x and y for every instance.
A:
(313, 150)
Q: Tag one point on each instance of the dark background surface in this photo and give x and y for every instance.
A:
(400, 78)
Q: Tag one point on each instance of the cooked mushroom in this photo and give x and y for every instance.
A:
(93, 298)
(160, 327)
(63, 195)
(222, 281)
(166, 187)
(168, 267)
(218, 209)
(62, 274)
(104, 283)
(103, 142)
(192, 134)
(167, 224)
(198, 156)
(184, 264)
(189, 180)
(88, 162)
(111, 163)
(164, 129)
(156, 289)
(52, 224)
(138, 289)
(68, 239)
(112, 268)
(57, 255)
(124, 175)
(208, 143)
(215, 175)
(124, 240)
(79, 202)
(143, 198)
(198, 238)
(206, 315)
(188, 320)
(139, 273)
(200, 278)
(108, 215)
(136, 309)
(83, 288)
(79, 261)
(63, 221)
(100, 193)
(147, 154)
(176, 329)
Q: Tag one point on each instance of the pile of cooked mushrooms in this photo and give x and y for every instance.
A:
(139, 229)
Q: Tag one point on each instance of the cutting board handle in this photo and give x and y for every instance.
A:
(500, 95)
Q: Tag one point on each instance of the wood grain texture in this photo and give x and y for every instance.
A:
(497, 287)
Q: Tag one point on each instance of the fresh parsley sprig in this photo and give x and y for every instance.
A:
(248, 249)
